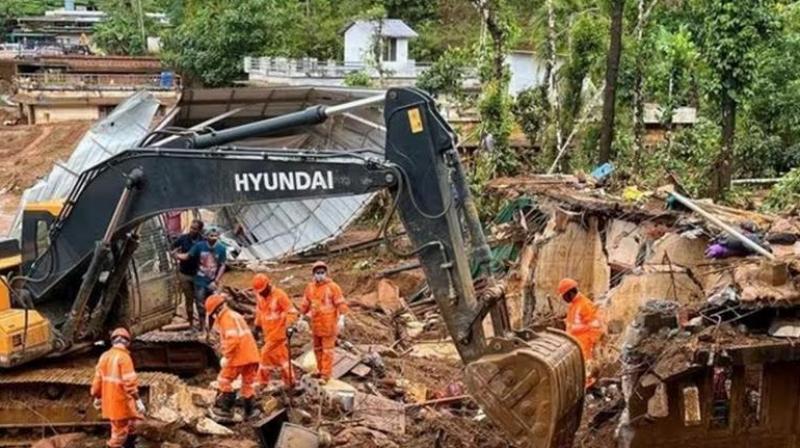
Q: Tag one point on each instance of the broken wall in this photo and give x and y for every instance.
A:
(572, 250)
(653, 282)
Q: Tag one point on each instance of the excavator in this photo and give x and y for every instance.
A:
(72, 283)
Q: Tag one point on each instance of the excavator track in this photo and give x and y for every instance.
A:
(59, 397)
(180, 352)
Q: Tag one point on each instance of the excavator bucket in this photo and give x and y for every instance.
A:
(532, 389)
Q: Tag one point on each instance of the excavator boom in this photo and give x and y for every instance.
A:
(530, 384)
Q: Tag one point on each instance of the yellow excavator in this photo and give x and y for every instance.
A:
(78, 269)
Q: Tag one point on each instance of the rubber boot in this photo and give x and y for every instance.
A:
(223, 407)
(130, 441)
(251, 411)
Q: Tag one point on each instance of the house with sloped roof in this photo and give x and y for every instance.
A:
(391, 36)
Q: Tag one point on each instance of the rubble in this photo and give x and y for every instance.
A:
(380, 413)
(207, 426)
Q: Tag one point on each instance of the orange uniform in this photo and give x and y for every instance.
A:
(274, 314)
(324, 302)
(583, 323)
(240, 350)
(115, 384)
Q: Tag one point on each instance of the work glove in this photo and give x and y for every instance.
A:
(223, 362)
(301, 326)
(212, 286)
(291, 331)
(340, 323)
(140, 406)
(97, 403)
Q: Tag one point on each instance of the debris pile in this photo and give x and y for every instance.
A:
(396, 381)
(691, 312)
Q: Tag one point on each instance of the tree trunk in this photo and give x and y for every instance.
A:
(723, 165)
(612, 69)
(551, 87)
(638, 94)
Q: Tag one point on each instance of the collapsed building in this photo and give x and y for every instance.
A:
(704, 347)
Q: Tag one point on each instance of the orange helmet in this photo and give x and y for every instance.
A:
(319, 264)
(565, 285)
(260, 282)
(120, 333)
(213, 302)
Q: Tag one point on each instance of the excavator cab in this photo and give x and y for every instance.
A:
(24, 332)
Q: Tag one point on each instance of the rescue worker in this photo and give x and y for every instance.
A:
(239, 357)
(116, 391)
(324, 303)
(187, 269)
(582, 321)
(275, 314)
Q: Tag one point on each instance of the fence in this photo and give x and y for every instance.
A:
(314, 68)
(81, 81)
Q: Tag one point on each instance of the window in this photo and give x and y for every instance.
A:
(390, 49)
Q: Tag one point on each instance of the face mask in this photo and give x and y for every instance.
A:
(319, 276)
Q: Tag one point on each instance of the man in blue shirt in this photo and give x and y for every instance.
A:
(188, 268)
(210, 256)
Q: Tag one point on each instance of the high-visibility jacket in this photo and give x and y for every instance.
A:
(115, 384)
(274, 313)
(324, 302)
(583, 323)
(236, 339)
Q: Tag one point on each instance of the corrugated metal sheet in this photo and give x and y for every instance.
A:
(281, 229)
(122, 129)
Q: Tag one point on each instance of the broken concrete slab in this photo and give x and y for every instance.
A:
(380, 413)
(576, 252)
(755, 288)
(678, 250)
(435, 349)
(295, 436)
(207, 426)
(652, 282)
(785, 328)
(343, 362)
(165, 414)
(623, 243)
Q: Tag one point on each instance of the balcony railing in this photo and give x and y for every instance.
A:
(313, 68)
(82, 81)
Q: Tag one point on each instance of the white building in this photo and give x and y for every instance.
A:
(361, 38)
(526, 69)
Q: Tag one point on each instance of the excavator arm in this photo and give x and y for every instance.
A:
(530, 384)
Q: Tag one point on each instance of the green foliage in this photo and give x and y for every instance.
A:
(530, 110)
(785, 195)
(586, 55)
(358, 79)
(496, 123)
(731, 34)
(121, 32)
(446, 75)
(675, 59)
(211, 42)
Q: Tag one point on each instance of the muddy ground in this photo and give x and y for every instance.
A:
(27, 153)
